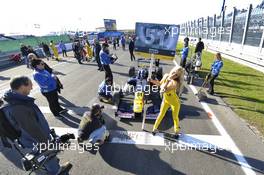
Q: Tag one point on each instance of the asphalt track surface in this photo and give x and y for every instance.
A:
(133, 151)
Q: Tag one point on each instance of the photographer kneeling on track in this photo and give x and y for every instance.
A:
(92, 126)
(215, 70)
(18, 109)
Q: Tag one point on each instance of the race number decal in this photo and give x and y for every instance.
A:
(160, 39)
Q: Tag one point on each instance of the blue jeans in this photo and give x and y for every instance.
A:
(52, 166)
(98, 134)
(26, 61)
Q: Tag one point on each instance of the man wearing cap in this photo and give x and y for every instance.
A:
(105, 59)
(96, 53)
(92, 126)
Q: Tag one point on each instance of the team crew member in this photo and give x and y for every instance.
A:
(131, 47)
(62, 46)
(54, 50)
(105, 59)
(215, 70)
(185, 52)
(170, 85)
(32, 56)
(96, 52)
(48, 87)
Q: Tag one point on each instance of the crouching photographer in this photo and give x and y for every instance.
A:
(92, 127)
(17, 110)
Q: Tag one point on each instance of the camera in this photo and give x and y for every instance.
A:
(66, 137)
(61, 139)
(113, 57)
(36, 161)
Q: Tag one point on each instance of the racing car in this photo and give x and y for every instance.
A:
(135, 97)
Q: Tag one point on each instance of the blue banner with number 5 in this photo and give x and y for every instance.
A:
(159, 39)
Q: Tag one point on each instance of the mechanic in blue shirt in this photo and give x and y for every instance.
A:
(105, 59)
(184, 53)
(215, 70)
(104, 90)
(48, 87)
(62, 46)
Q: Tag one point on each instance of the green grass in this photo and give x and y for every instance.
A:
(14, 45)
(241, 87)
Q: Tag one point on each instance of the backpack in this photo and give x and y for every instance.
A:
(7, 130)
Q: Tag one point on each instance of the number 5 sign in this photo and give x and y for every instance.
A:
(158, 39)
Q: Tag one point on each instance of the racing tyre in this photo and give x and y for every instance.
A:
(116, 98)
(131, 72)
(159, 73)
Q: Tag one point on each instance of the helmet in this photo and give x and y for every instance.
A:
(142, 74)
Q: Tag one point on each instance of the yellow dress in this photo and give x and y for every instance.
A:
(170, 99)
(88, 51)
(54, 50)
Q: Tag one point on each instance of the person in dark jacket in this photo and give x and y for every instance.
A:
(215, 70)
(199, 47)
(96, 52)
(131, 49)
(48, 87)
(186, 41)
(20, 109)
(31, 50)
(114, 43)
(123, 43)
(77, 49)
(24, 53)
(92, 126)
(46, 50)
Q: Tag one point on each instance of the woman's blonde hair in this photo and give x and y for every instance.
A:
(179, 79)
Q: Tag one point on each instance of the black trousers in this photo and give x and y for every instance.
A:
(183, 62)
(211, 79)
(64, 53)
(108, 72)
(98, 62)
(53, 101)
(132, 56)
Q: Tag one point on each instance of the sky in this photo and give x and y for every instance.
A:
(19, 16)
